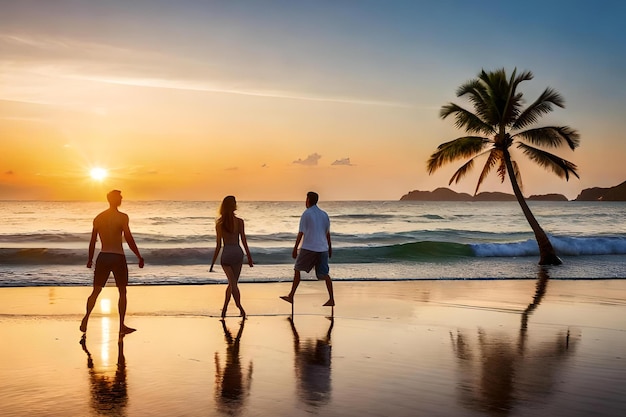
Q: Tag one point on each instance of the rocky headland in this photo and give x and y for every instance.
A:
(617, 193)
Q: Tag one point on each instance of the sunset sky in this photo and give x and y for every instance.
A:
(265, 100)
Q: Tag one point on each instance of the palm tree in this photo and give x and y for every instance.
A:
(497, 122)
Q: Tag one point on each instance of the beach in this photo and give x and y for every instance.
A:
(392, 348)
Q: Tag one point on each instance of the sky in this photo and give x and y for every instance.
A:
(266, 100)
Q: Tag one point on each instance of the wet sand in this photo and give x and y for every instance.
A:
(452, 348)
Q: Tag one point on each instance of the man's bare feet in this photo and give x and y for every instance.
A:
(223, 313)
(287, 298)
(126, 330)
(242, 313)
(329, 303)
(83, 325)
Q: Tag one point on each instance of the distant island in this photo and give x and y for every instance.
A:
(617, 193)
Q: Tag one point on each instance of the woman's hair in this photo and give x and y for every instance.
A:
(227, 213)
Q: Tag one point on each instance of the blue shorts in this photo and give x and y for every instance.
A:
(308, 259)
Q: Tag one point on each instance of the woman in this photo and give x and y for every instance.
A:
(229, 228)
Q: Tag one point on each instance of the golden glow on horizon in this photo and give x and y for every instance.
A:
(98, 174)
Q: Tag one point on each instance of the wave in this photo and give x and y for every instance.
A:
(44, 237)
(372, 218)
(565, 246)
(421, 251)
(147, 238)
(286, 239)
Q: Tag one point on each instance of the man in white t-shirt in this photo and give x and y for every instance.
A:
(314, 233)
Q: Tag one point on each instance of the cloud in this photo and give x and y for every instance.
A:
(68, 58)
(344, 161)
(310, 160)
(9, 172)
(231, 169)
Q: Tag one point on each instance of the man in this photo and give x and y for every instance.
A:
(314, 233)
(111, 225)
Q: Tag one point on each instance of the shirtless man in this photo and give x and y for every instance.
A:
(111, 225)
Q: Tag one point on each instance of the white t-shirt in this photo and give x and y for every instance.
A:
(314, 223)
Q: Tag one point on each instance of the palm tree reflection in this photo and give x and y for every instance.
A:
(540, 291)
(232, 386)
(109, 395)
(312, 366)
(498, 370)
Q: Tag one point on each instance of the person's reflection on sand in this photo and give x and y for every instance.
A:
(232, 386)
(499, 369)
(109, 396)
(312, 366)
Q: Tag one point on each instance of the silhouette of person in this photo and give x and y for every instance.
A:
(312, 366)
(314, 233)
(229, 229)
(108, 394)
(111, 226)
(231, 385)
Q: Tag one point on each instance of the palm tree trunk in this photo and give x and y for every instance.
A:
(547, 255)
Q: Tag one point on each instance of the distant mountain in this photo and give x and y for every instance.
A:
(446, 194)
(494, 196)
(440, 194)
(548, 197)
(617, 193)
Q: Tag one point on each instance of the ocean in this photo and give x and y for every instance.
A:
(45, 243)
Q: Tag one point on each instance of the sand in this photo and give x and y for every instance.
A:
(452, 348)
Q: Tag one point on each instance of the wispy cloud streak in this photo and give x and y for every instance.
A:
(102, 63)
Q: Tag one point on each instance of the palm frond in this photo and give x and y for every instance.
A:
(523, 76)
(461, 172)
(477, 93)
(464, 147)
(502, 170)
(551, 136)
(541, 106)
(495, 155)
(470, 87)
(498, 88)
(556, 164)
(512, 109)
(514, 100)
(465, 119)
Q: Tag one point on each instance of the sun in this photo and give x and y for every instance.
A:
(98, 174)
